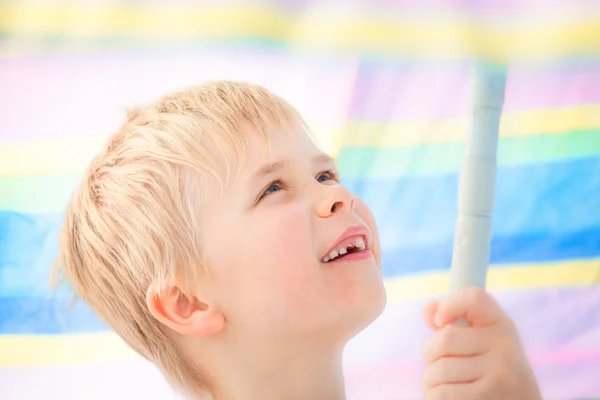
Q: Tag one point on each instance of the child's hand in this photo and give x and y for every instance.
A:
(482, 361)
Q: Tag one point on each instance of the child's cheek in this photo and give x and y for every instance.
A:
(293, 257)
(291, 236)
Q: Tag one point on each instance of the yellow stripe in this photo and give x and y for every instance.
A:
(576, 273)
(62, 156)
(519, 124)
(421, 35)
(48, 157)
(18, 350)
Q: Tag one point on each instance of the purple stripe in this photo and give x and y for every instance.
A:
(78, 96)
(386, 91)
(560, 329)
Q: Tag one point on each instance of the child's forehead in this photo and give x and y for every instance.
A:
(279, 146)
(267, 145)
(237, 155)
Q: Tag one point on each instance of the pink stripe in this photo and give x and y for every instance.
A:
(536, 359)
(46, 98)
(565, 356)
(468, 6)
(479, 6)
(404, 380)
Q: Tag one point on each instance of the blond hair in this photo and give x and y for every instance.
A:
(134, 220)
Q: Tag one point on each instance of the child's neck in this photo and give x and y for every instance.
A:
(283, 374)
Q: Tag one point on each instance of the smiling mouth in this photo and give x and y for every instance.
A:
(352, 245)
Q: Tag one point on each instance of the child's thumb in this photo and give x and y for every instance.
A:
(429, 311)
(474, 305)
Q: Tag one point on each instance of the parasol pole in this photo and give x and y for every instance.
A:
(477, 181)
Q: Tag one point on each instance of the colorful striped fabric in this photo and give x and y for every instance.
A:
(384, 84)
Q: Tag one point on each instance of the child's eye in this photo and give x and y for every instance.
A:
(328, 176)
(271, 189)
(275, 186)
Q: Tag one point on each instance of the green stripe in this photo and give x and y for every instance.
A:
(36, 193)
(50, 193)
(430, 159)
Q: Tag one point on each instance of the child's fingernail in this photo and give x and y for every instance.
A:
(439, 321)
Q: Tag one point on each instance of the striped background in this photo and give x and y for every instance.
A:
(385, 86)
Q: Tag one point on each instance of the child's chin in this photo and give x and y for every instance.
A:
(379, 303)
(368, 312)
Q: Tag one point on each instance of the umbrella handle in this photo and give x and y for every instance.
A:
(477, 180)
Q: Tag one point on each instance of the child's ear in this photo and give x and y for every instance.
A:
(185, 314)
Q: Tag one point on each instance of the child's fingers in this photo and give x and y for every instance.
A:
(452, 391)
(473, 304)
(429, 311)
(452, 370)
(455, 341)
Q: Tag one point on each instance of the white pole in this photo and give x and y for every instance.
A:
(477, 179)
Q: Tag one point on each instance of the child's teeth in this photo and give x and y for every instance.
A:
(360, 243)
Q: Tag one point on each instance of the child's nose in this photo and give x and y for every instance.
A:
(338, 205)
(337, 200)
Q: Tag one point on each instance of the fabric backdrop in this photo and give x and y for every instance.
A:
(384, 84)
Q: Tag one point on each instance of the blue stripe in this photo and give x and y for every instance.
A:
(505, 251)
(546, 199)
(28, 277)
(47, 316)
(543, 213)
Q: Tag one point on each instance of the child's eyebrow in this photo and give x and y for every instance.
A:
(270, 169)
(273, 167)
(323, 159)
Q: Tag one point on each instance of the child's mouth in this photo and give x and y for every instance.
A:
(351, 248)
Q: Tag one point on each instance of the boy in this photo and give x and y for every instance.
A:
(214, 237)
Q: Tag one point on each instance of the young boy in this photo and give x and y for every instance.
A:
(215, 238)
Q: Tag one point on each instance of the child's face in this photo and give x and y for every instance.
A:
(268, 239)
